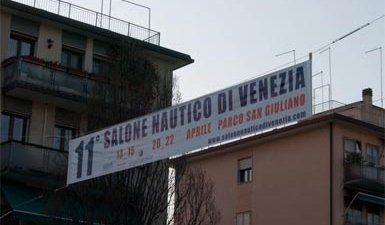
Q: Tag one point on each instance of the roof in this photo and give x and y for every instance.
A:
(177, 59)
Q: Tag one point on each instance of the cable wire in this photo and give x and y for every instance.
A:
(348, 34)
(321, 48)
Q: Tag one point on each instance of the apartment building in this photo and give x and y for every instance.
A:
(53, 53)
(325, 170)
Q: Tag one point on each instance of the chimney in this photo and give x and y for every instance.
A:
(367, 96)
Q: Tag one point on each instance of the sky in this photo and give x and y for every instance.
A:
(233, 41)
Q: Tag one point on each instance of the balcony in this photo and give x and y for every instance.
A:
(32, 78)
(367, 178)
(26, 162)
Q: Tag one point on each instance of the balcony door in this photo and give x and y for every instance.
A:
(20, 46)
(72, 58)
(62, 137)
(13, 127)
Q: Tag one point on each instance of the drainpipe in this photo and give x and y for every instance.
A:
(45, 153)
(331, 171)
(44, 124)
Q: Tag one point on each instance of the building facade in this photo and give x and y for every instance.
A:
(53, 53)
(325, 170)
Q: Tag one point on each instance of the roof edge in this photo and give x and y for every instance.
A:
(181, 59)
(301, 124)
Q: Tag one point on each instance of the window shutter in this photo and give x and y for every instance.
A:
(244, 163)
(25, 26)
(74, 40)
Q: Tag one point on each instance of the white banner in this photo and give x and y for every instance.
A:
(253, 106)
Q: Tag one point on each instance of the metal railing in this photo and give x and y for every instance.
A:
(30, 157)
(360, 111)
(365, 172)
(325, 106)
(94, 18)
(43, 78)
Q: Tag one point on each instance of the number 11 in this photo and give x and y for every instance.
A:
(79, 150)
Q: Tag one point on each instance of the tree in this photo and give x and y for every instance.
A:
(195, 204)
(128, 90)
(176, 94)
(140, 195)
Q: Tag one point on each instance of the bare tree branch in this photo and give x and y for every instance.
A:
(195, 204)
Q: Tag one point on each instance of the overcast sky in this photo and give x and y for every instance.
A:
(235, 40)
(232, 41)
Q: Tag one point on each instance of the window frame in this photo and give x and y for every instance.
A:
(62, 137)
(20, 38)
(244, 175)
(242, 215)
(378, 152)
(354, 213)
(105, 63)
(71, 51)
(11, 126)
(356, 141)
(376, 215)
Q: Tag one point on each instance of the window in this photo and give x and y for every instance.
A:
(352, 150)
(20, 46)
(354, 215)
(373, 216)
(62, 136)
(245, 170)
(12, 127)
(100, 66)
(243, 218)
(72, 58)
(372, 154)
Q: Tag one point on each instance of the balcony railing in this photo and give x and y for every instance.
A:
(97, 19)
(365, 177)
(16, 155)
(37, 75)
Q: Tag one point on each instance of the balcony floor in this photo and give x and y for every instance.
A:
(34, 93)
